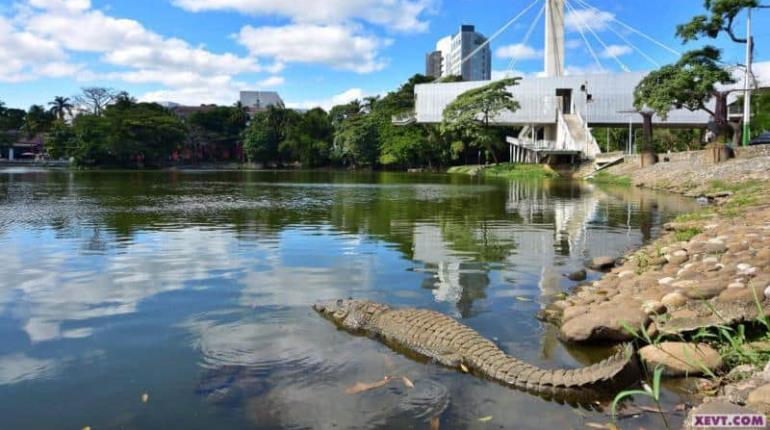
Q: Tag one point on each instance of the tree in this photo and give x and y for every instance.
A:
(691, 83)
(59, 142)
(470, 114)
(37, 120)
(356, 141)
(96, 99)
(720, 19)
(260, 142)
(309, 138)
(61, 106)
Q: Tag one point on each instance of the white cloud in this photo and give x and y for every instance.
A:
(398, 15)
(26, 56)
(519, 51)
(336, 46)
(584, 18)
(271, 82)
(616, 51)
(339, 99)
(573, 44)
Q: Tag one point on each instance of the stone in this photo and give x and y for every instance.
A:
(706, 289)
(605, 323)
(674, 300)
(767, 292)
(666, 281)
(759, 399)
(578, 276)
(678, 257)
(717, 407)
(685, 285)
(653, 307)
(716, 247)
(602, 263)
(681, 358)
(736, 285)
(574, 311)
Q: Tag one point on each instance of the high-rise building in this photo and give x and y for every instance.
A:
(454, 49)
(433, 64)
(260, 100)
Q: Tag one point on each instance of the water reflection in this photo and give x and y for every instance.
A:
(199, 284)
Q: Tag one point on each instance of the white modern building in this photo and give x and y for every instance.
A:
(559, 110)
(260, 100)
(451, 51)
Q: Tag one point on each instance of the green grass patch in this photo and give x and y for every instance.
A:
(513, 171)
(609, 179)
(700, 215)
(686, 235)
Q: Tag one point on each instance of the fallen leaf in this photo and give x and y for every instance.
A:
(360, 387)
(87, 428)
(407, 382)
(523, 299)
(434, 423)
(485, 419)
(145, 398)
(464, 368)
(596, 426)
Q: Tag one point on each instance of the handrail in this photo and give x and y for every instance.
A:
(563, 134)
(592, 148)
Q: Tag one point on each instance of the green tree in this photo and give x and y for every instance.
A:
(60, 140)
(720, 18)
(262, 139)
(60, 107)
(469, 115)
(37, 120)
(220, 129)
(690, 83)
(356, 141)
(309, 138)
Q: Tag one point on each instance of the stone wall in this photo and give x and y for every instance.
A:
(742, 152)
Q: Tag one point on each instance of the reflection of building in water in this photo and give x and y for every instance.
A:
(458, 279)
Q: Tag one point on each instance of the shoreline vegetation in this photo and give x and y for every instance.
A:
(506, 170)
(696, 300)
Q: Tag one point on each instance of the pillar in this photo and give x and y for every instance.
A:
(554, 38)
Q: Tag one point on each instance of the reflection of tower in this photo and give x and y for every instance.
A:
(554, 38)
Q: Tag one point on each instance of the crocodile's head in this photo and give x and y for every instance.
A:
(349, 313)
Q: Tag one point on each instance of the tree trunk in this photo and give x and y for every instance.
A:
(720, 117)
(649, 157)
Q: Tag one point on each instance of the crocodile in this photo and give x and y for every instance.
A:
(440, 338)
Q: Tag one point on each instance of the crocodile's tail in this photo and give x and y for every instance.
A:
(618, 370)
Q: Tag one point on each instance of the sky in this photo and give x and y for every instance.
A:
(313, 52)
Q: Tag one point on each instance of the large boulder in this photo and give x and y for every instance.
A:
(681, 358)
(605, 323)
(759, 399)
(602, 263)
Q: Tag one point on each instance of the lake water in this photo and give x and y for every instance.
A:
(194, 288)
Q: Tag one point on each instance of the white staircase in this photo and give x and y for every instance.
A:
(577, 136)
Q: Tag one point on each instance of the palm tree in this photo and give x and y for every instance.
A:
(60, 106)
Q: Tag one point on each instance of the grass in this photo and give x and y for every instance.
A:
(686, 235)
(609, 179)
(505, 170)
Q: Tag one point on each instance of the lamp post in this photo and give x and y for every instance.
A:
(746, 84)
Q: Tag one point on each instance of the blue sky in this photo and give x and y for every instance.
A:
(313, 52)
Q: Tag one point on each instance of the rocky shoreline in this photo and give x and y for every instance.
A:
(697, 300)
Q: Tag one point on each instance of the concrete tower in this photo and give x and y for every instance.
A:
(554, 38)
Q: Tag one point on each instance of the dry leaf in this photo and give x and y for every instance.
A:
(360, 387)
(485, 419)
(407, 382)
(434, 423)
(145, 398)
(464, 368)
(596, 426)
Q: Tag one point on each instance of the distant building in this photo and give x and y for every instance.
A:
(258, 101)
(454, 49)
(433, 64)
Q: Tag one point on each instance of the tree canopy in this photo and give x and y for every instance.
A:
(469, 115)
